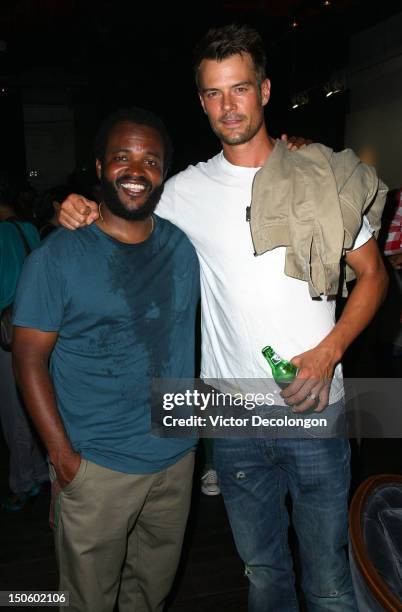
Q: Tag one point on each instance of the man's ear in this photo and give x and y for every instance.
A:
(98, 166)
(265, 91)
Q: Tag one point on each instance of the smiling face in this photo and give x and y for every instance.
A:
(232, 98)
(131, 172)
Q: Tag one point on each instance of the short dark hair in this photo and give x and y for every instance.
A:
(141, 117)
(221, 43)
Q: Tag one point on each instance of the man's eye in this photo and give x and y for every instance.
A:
(212, 94)
(152, 162)
(241, 89)
(120, 158)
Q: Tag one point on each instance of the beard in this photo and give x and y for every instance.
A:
(240, 137)
(111, 199)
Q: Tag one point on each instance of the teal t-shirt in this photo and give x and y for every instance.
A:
(124, 314)
(12, 255)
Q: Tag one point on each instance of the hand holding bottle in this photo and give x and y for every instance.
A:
(282, 370)
(312, 384)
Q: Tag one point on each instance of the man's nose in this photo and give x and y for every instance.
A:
(136, 167)
(227, 101)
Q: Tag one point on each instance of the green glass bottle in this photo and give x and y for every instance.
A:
(282, 370)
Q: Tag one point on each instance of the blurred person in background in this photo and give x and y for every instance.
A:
(391, 313)
(28, 469)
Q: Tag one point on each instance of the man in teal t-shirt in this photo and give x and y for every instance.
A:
(27, 465)
(113, 306)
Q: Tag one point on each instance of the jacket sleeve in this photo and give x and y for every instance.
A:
(360, 193)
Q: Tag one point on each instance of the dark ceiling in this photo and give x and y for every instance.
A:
(106, 54)
(85, 37)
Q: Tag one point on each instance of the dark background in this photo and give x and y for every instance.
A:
(97, 56)
(92, 57)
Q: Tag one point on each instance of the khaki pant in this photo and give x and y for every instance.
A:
(119, 536)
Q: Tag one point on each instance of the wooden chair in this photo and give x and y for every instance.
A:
(373, 592)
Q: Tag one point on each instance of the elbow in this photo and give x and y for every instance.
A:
(380, 279)
(375, 280)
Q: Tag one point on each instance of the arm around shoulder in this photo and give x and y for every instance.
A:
(77, 211)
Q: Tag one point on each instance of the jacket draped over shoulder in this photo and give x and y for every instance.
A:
(312, 202)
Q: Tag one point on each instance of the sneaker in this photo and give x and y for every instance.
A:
(209, 483)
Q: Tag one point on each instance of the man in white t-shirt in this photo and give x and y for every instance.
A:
(248, 302)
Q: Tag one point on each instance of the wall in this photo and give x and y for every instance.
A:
(49, 143)
(375, 81)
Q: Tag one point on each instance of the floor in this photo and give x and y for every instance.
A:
(210, 578)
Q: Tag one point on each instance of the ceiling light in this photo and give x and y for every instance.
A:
(334, 86)
(300, 99)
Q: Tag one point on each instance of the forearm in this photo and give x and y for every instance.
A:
(361, 306)
(37, 389)
(316, 366)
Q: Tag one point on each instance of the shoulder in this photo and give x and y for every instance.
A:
(344, 161)
(174, 234)
(29, 228)
(176, 239)
(10, 236)
(182, 189)
(7, 228)
(315, 152)
(317, 158)
(197, 172)
(63, 245)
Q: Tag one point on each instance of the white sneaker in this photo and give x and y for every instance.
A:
(209, 483)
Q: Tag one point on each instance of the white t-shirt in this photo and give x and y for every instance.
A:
(247, 302)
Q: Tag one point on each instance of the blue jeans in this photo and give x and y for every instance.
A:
(254, 475)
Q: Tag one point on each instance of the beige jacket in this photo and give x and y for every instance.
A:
(311, 201)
